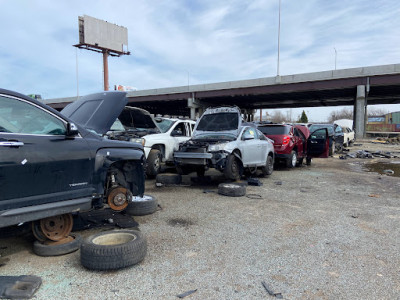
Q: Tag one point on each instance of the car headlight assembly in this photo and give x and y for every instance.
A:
(137, 140)
(217, 147)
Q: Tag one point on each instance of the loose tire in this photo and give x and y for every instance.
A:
(51, 248)
(169, 178)
(112, 250)
(232, 168)
(141, 206)
(269, 167)
(153, 163)
(292, 160)
(231, 189)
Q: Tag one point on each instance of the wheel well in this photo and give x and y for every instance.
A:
(159, 147)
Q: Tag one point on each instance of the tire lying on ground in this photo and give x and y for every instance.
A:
(51, 248)
(112, 250)
(169, 178)
(141, 206)
(231, 189)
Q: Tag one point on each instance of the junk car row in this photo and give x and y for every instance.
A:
(98, 151)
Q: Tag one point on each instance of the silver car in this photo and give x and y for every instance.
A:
(221, 140)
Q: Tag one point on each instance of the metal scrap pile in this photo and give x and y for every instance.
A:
(367, 154)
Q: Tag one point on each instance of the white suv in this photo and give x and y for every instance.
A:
(159, 147)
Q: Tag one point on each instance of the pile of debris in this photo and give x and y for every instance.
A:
(388, 140)
(368, 154)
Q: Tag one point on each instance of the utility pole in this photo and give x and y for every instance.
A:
(279, 37)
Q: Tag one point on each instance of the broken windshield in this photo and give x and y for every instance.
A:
(219, 122)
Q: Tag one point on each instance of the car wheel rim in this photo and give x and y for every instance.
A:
(294, 160)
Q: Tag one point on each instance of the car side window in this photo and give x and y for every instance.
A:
(261, 136)
(18, 116)
(249, 133)
(338, 129)
(180, 129)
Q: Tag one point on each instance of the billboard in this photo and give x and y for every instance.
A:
(100, 34)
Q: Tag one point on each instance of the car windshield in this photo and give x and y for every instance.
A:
(318, 126)
(274, 130)
(165, 124)
(219, 122)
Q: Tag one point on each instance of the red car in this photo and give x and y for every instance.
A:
(293, 143)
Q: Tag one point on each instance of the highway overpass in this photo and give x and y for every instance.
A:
(357, 86)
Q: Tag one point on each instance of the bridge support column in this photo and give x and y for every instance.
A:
(359, 114)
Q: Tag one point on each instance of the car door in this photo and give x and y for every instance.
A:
(250, 147)
(318, 143)
(38, 162)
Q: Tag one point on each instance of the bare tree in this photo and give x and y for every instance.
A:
(375, 111)
(276, 116)
(344, 113)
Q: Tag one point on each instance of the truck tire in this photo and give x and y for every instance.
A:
(292, 160)
(141, 206)
(153, 163)
(232, 168)
(232, 189)
(169, 178)
(112, 250)
(57, 248)
(269, 167)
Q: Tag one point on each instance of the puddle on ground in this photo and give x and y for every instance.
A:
(387, 168)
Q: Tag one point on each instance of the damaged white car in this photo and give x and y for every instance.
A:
(221, 140)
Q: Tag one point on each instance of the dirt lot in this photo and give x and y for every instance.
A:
(328, 231)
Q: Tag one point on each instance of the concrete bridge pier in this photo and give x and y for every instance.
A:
(360, 109)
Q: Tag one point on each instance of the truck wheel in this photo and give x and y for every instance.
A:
(141, 206)
(269, 167)
(232, 189)
(112, 250)
(232, 168)
(153, 163)
(292, 160)
(51, 248)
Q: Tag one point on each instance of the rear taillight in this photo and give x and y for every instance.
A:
(286, 140)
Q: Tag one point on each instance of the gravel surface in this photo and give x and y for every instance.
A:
(328, 231)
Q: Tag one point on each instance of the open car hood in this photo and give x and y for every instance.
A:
(98, 111)
(138, 119)
(220, 121)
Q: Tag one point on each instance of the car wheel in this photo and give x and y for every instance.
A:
(153, 163)
(52, 248)
(232, 189)
(232, 168)
(169, 178)
(141, 206)
(269, 167)
(112, 250)
(299, 162)
(308, 161)
(292, 160)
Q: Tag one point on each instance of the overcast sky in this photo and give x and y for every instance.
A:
(200, 41)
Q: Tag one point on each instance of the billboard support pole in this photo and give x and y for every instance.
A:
(105, 67)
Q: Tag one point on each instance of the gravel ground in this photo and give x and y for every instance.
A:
(328, 231)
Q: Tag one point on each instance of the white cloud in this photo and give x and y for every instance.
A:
(211, 40)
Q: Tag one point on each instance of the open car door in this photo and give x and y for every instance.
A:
(318, 143)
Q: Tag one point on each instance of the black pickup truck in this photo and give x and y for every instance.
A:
(52, 166)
